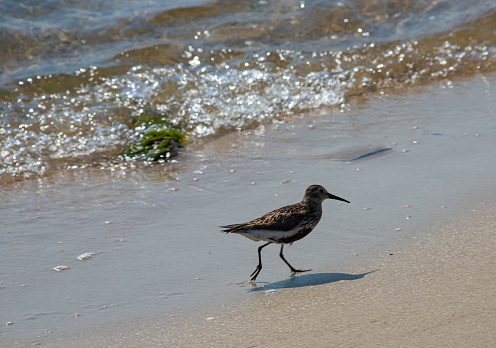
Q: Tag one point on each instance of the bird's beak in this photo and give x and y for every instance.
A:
(338, 198)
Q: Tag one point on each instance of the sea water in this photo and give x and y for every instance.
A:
(275, 96)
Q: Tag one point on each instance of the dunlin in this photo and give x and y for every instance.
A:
(285, 225)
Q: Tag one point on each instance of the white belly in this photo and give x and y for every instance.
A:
(269, 236)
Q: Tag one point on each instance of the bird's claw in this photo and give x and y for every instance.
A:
(294, 271)
(255, 273)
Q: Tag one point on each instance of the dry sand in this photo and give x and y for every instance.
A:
(440, 292)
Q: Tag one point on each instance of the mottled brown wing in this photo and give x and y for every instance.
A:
(282, 219)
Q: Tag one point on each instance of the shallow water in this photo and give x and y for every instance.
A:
(152, 231)
(78, 77)
(306, 96)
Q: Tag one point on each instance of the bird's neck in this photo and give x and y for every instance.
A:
(312, 203)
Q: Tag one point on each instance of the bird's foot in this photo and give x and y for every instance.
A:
(255, 273)
(294, 271)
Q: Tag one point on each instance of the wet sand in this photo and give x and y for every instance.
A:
(426, 214)
(440, 292)
(154, 255)
(162, 267)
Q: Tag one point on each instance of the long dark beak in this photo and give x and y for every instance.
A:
(338, 198)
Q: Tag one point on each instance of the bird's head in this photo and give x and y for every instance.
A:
(317, 194)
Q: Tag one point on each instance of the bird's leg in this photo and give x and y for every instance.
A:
(257, 270)
(287, 263)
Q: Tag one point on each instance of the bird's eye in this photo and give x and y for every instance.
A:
(321, 191)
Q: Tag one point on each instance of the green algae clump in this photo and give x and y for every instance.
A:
(157, 145)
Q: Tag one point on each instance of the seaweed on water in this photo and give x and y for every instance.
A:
(157, 145)
(161, 142)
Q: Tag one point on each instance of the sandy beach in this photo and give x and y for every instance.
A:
(390, 105)
(440, 292)
(427, 283)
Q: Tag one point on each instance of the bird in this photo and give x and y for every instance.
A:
(285, 225)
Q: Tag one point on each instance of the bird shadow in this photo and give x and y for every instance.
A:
(308, 280)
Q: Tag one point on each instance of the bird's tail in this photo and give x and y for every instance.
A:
(231, 228)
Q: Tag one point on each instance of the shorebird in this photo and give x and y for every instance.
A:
(285, 225)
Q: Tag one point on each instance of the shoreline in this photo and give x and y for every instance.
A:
(124, 296)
